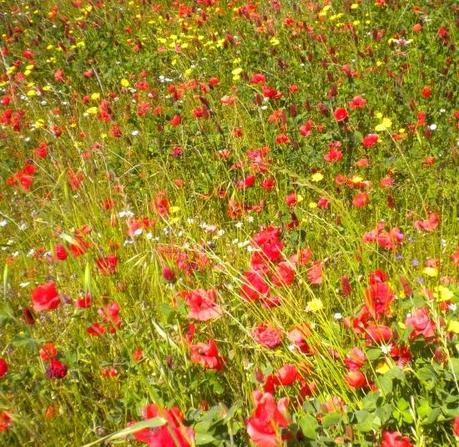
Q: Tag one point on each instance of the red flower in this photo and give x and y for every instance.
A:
(60, 252)
(429, 224)
(96, 330)
(298, 336)
(355, 379)
(110, 314)
(355, 359)
(357, 102)
(361, 200)
(370, 140)
(456, 426)
(267, 419)
(45, 297)
(254, 287)
(48, 352)
(56, 369)
(267, 336)
(287, 375)
(268, 240)
(107, 265)
(161, 204)
(420, 323)
(378, 298)
(378, 334)
(306, 128)
(395, 439)
(5, 420)
(3, 368)
(333, 154)
(340, 114)
(202, 304)
(206, 354)
(291, 199)
(284, 274)
(172, 434)
(315, 272)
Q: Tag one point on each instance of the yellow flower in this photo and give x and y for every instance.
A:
(382, 367)
(124, 83)
(384, 125)
(315, 305)
(317, 177)
(92, 110)
(274, 41)
(431, 271)
(453, 326)
(442, 293)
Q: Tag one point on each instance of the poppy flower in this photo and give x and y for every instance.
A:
(56, 369)
(254, 286)
(420, 323)
(370, 140)
(5, 421)
(355, 379)
(107, 265)
(202, 304)
(269, 241)
(357, 102)
(430, 224)
(173, 434)
(355, 359)
(268, 417)
(361, 200)
(3, 367)
(340, 114)
(378, 334)
(378, 298)
(267, 336)
(284, 275)
(395, 439)
(207, 355)
(45, 297)
(298, 336)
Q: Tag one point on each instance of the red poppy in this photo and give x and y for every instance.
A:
(355, 359)
(3, 367)
(267, 336)
(355, 379)
(420, 323)
(45, 297)
(56, 369)
(284, 275)
(5, 420)
(340, 114)
(370, 140)
(202, 304)
(107, 265)
(361, 200)
(268, 417)
(395, 439)
(172, 434)
(378, 298)
(207, 355)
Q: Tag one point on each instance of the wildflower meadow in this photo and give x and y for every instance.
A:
(229, 223)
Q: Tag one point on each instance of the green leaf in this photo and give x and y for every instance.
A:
(308, 425)
(204, 438)
(331, 419)
(365, 421)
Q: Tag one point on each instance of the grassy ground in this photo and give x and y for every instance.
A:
(244, 211)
